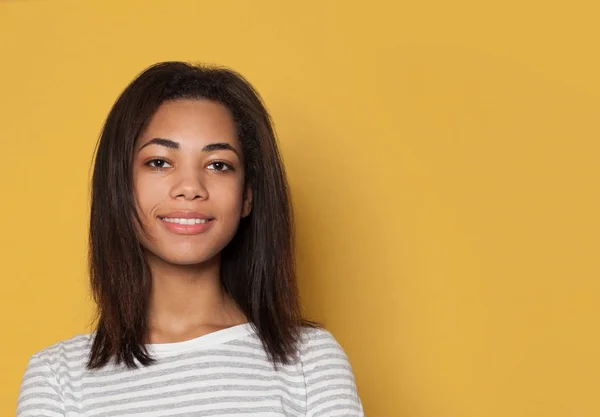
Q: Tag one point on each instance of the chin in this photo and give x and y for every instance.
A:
(186, 260)
(183, 258)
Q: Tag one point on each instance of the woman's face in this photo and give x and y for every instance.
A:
(188, 177)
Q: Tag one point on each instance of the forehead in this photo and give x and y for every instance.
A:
(191, 122)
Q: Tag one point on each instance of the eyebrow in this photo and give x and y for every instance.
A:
(171, 144)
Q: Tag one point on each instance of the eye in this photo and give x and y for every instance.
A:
(158, 163)
(219, 166)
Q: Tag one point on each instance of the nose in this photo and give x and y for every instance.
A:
(189, 185)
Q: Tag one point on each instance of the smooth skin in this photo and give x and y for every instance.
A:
(204, 174)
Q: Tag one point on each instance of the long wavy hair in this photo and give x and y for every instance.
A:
(257, 266)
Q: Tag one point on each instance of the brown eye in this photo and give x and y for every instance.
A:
(158, 163)
(219, 166)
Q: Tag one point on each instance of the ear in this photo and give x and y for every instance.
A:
(247, 205)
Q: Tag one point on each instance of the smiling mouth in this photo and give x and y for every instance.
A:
(184, 221)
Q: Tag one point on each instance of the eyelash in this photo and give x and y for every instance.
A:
(227, 166)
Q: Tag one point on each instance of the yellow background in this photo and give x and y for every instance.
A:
(443, 157)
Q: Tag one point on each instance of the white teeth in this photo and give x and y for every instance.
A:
(184, 221)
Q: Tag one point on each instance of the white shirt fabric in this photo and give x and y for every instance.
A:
(224, 373)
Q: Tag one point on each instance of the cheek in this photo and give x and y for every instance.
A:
(230, 199)
(148, 194)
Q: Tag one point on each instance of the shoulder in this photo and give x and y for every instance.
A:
(328, 374)
(41, 386)
(70, 354)
(319, 349)
(69, 350)
(319, 344)
(316, 340)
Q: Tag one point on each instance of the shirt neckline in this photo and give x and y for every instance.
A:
(209, 339)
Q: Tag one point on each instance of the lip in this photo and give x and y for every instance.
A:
(186, 229)
(185, 215)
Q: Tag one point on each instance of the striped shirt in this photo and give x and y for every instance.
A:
(224, 373)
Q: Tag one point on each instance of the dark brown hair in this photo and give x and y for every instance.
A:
(257, 266)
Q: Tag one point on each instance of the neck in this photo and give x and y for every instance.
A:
(188, 300)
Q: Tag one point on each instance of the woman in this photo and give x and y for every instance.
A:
(191, 266)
